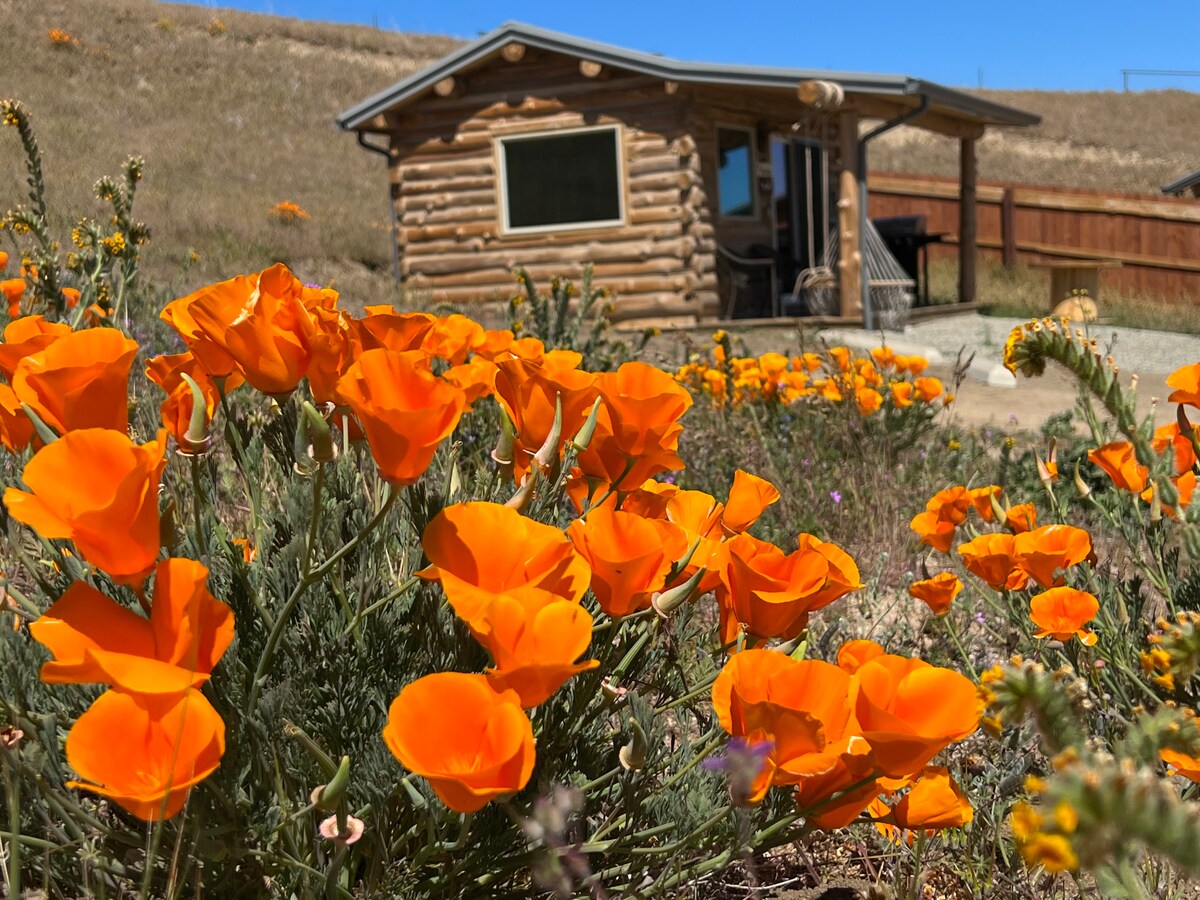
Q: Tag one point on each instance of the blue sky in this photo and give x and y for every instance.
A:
(1051, 44)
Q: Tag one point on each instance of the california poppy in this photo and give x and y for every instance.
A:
(1062, 612)
(902, 394)
(98, 488)
(79, 381)
(1186, 384)
(479, 550)
(536, 642)
(25, 336)
(13, 289)
(1021, 518)
(472, 742)
(909, 710)
(1048, 551)
(146, 752)
(97, 640)
(16, 428)
(928, 388)
(333, 349)
(629, 556)
(384, 328)
(749, 496)
(993, 558)
(1119, 462)
(937, 592)
(176, 410)
(405, 410)
(799, 707)
(852, 654)
(981, 499)
(934, 802)
(934, 531)
(257, 324)
(868, 400)
(452, 338)
(529, 392)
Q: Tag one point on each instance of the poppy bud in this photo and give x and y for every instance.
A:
(633, 754)
(998, 511)
(327, 796)
(583, 437)
(1081, 487)
(503, 452)
(668, 601)
(44, 431)
(195, 440)
(548, 452)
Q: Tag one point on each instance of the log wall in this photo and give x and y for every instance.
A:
(444, 174)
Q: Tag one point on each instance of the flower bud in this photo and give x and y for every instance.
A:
(503, 452)
(195, 440)
(548, 452)
(668, 601)
(320, 435)
(1081, 487)
(633, 754)
(327, 796)
(583, 437)
(44, 431)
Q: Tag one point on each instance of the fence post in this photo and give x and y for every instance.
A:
(1008, 233)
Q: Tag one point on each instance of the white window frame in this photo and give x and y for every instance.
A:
(754, 200)
(502, 173)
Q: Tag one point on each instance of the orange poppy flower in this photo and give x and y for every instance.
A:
(1119, 462)
(3, 260)
(981, 499)
(850, 780)
(909, 711)
(405, 410)
(16, 428)
(699, 515)
(853, 654)
(1170, 437)
(97, 640)
(480, 550)
(492, 344)
(71, 295)
(1048, 551)
(146, 752)
(79, 381)
(749, 496)
(333, 347)
(1021, 518)
(1186, 382)
(528, 392)
(902, 394)
(843, 576)
(535, 641)
(452, 338)
(13, 290)
(927, 388)
(934, 531)
(1062, 612)
(98, 488)
(937, 592)
(953, 503)
(993, 558)
(800, 708)
(384, 328)
(257, 324)
(934, 802)
(476, 379)
(167, 372)
(629, 556)
(771, 593)
(1181, 763)
(26, 336)
(471, 742)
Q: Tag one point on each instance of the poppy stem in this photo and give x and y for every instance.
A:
(197, 495)
(12, 788)
(309, 576)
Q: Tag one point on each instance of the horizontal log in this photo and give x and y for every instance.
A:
(493, 266)
(662, 253)
(456, 215)
(500, 279)
(441, 168)
(447, 198)
(589, 68)
(450, 86)
(630, 101)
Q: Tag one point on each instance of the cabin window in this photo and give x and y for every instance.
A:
(735, 173)
(561, 180)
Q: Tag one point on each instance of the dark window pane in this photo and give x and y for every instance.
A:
(562, 179)
(735, 172)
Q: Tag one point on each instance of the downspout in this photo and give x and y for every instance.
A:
(868, 319)
(362, 142)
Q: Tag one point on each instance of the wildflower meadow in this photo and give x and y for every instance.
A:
(305, 596)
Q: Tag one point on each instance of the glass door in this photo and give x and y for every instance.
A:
(800, 205)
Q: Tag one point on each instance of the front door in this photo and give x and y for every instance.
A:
(800, 205)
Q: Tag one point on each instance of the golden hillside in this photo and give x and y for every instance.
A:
(234, 112)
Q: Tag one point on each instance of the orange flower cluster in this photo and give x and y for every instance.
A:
(842, 735)
(152, 736)
(881, 379)
(1118, 461)
(287, 211)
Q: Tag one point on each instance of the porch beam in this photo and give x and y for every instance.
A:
(450, 86)
(849, 267)
(513, 52)
(589, 68)
(878, 108)
(967, 222)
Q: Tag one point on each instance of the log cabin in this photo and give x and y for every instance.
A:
(695, 190)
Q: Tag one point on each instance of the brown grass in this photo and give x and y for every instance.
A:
(1100, 139)
(233, 120)
(230, 123)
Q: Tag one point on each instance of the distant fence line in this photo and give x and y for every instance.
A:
(1155, 238)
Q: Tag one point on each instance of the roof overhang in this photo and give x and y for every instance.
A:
(943, 100)
(1182, 184)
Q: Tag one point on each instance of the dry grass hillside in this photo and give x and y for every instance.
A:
(1100, 139)
(235, 116)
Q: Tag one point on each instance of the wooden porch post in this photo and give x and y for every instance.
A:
(849, 240)
(967, 224)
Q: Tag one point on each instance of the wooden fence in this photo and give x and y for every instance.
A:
(1156, 239)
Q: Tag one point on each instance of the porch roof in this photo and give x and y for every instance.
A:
(949, 102)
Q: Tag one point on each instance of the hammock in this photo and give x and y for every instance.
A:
(892, 289)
